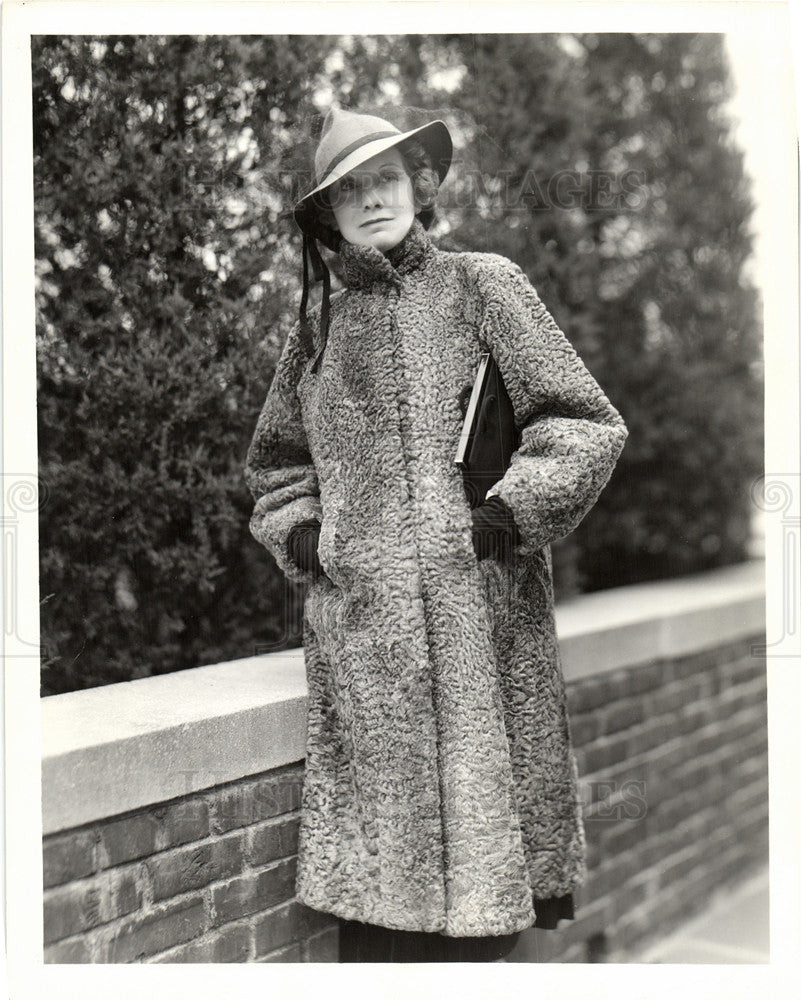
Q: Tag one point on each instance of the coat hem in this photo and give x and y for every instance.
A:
(364, 916)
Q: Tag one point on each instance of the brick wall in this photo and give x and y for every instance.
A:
(673, 758)
(205, 878)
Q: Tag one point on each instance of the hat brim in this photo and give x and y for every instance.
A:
(433, 137)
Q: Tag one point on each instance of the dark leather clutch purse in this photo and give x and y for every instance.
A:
(489, 436)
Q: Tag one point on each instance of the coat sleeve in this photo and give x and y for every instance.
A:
(570, 434)
(279, 471)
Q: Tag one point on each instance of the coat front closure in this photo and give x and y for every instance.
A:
(440, 788)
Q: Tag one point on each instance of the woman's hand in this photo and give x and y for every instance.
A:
(302, 546)
(495, 533)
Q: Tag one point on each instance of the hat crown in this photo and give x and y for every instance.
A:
(346, 130)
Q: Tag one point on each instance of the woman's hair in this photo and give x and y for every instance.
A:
(425, 188)
(425, 181)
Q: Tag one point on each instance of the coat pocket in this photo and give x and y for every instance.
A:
(323, 611)
(497, 578)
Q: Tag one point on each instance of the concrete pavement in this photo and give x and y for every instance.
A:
(734, 930)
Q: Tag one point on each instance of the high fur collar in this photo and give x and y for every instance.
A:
(364, 266)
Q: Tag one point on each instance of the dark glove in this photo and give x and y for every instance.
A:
(301, 544)
(495, 533)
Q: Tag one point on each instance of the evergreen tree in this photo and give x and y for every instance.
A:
(159, 253)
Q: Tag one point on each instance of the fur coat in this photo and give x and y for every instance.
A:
(440, 789)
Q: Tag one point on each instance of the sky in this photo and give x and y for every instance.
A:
(751, 71)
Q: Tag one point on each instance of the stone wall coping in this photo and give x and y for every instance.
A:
(664, 619)
(111, 749)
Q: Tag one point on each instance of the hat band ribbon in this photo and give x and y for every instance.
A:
(352, 147)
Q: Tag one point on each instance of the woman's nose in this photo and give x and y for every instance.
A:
(372, 196)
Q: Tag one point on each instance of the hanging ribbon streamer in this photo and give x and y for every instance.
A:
(311, 253)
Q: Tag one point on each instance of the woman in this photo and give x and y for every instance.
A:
(440, 809)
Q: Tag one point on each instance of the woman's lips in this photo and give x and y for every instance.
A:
(373, 222)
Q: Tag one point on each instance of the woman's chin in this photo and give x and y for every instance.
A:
(380, 242)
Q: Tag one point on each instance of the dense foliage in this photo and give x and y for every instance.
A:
(167, 277)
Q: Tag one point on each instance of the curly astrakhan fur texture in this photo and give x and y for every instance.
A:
(440, 787)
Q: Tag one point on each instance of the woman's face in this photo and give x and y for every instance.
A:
(374, 204)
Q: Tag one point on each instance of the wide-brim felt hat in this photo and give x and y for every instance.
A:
(349, 139)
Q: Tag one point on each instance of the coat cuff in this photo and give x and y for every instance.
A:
(272, 528)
